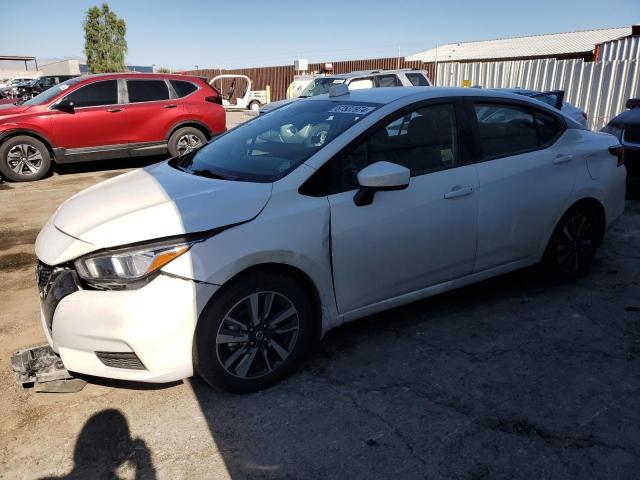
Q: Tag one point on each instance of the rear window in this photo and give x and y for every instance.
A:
(417, 79)
(183, 88)
(147, 90)
(506, 130)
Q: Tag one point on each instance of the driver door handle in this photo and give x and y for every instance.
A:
(459, 191)
(562, 159)
(115, 110)
(171, 105)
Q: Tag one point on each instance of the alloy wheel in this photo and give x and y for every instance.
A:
(257, 335)
(576, 244)
(187, 143)
(24, 159)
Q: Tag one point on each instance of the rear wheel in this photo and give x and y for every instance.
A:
(24, 158)
(254, 106)
(253, 333)
(185, 140)
(573, 244)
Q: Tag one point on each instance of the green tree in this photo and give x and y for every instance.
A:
(105, 44)
(163, 70)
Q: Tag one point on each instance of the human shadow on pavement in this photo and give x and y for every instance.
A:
(105, 449)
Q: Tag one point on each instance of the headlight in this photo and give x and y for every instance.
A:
(615, 131)
(128, 267)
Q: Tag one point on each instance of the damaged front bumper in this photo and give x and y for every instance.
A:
(43, 369)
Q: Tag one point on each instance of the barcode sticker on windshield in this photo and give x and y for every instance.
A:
(354, 109)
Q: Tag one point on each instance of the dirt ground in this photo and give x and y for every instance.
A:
(517, 377)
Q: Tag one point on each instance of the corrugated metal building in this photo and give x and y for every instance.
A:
(556, 45)
(622, 49)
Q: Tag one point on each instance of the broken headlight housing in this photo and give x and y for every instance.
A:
(129, 267)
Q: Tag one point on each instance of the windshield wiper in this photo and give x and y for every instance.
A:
(205, 172)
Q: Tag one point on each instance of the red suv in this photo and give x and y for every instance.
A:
(98, 117)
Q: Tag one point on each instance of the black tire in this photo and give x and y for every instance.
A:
(264, 369)
(572, 246)
(24, 159)
(254, 106)
(177, 145)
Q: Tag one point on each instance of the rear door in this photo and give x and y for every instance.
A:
(152, 111)
(99, 119)
(527, 172)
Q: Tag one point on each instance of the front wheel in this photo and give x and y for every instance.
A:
(24, 158)
(573, 244)
(253, 333)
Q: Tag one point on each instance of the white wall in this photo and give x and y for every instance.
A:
(19, 73)
(64, 67)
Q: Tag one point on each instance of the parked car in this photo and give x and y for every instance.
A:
(97, 117)
(237, 257)
(626, 128)
(8, 90)
(30, 89)
(357, 80)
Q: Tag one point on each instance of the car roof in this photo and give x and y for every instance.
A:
(627, 119)
(390, 94)
(368, 73)
(161, 76)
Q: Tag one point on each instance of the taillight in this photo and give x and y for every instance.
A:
(618, 151)
(214, 99)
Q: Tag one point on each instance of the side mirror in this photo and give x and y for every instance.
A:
(633, 103)
(380, 177)
(65, 106)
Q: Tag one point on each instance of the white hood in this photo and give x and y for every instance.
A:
(156, 202)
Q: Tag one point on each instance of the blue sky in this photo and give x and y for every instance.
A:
(182, 33)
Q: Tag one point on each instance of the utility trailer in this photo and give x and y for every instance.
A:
(249, 99)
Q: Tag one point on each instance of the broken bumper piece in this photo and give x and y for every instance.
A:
(43, 369)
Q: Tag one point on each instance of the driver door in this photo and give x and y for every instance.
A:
(410, 239)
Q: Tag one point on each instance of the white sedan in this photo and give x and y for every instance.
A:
(235, 259)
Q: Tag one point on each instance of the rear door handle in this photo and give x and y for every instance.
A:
(562, 159)
(115, 110)
(459, 191)
(171, 105)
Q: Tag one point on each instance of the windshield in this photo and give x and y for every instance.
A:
(48, 94)
(319, 86)
(268, 147)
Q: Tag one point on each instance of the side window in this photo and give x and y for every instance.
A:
(505, 129)
(183, 88)
(95, 94)
(147, 90)
(417, 79)
(388, 81)
(549, 128)
(425, 140)
(361, 83)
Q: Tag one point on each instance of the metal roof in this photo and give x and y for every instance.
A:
(16, 58)
(519, 47)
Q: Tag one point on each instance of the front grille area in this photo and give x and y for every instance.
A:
(54, 283)
(128, 360)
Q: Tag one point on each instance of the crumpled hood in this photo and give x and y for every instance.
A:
(155, 202)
